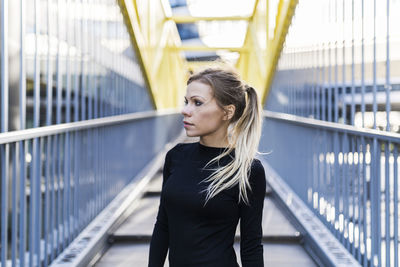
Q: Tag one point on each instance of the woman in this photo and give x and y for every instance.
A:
(210, 185)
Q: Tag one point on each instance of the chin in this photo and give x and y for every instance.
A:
(188, 134)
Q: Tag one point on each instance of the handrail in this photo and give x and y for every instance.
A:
(21, 135)
(332, 126)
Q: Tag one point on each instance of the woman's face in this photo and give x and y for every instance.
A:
(201, 114)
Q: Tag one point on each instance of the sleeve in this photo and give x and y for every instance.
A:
(251, 248)
(160, 237)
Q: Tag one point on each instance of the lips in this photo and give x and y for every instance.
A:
(187, 123)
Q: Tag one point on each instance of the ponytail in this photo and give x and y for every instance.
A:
(244, 137)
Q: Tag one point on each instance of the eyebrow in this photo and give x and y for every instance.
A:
(195, 96)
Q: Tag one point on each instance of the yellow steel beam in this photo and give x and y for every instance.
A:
(284, 17)
(191, 19)
(131, 19)
(207, 48)
(253, 13)
(159, 50)
(151, 36)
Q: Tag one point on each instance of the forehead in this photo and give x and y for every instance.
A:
(199, 89)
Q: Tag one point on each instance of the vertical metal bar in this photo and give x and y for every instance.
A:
(336, 176)
(96, 167)
(35, 178)
(387, 204)
(46, 220)
(313, 82)
(76, 182)
(38, 222)
(374, 104)
(62, 186)
(89, 168)
(78, 57)
(365, 200)
(4, 155)
(120, 56)
(22, 144)
(97, 75)
(329, 67)
(49, 108)
(59, 71)
(67, 227)
(100, 169)
(22, 79)
(360, 217)
(58, 221)
(336, 68)
(115, 56)
(33, 199)
(49, 104)
(388, 88)
(379, 198)
(101, 94)
(291, 101)
(353, 192)
(396, 205)
(68, 39)
(4, 66)
(36, 103)
(374, 215)
(22, 204)
(353, 106)
(53, 213)
(32, 206)
(345, 151)
(318, 86)
(83, 58)
(103, 34)
(66, 191)
(91, 62)
(4, 128)
(362, 65)
(96, 68)
(294, 92)
(376, 202)
(59, 226)
(344, 113)
(387, 83)
(14, 214)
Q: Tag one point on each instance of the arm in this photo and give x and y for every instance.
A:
(160, 238)
(251, 248)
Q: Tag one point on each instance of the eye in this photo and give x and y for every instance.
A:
(185, 101)
(198, 103)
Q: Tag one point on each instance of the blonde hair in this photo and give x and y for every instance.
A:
(244, 135)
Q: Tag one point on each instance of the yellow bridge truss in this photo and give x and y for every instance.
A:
(155, 37)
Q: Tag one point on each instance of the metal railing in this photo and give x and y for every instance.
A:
(345, 69)
(348, 176)
(65, 61)
(57, 179)
(339, 67)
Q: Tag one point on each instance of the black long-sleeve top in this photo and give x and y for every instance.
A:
(198, 235)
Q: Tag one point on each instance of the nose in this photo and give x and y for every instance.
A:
(186, 111)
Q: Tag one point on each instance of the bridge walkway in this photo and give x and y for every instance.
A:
(129, 244)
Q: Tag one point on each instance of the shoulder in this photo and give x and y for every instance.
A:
(257, 167)
(179, 150)
(257, 174)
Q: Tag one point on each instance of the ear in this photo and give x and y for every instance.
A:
(229, 112)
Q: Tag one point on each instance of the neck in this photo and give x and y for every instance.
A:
(213, 142)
